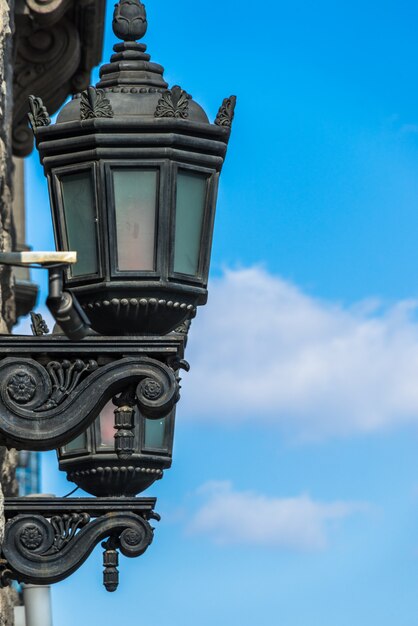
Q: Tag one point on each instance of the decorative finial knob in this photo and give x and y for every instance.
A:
(129, 20)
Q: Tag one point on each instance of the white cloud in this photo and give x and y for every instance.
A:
(230, 517)
(263, 350)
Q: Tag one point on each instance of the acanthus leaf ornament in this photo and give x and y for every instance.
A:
(173, 103)
(94, 104)
(38, 325)
(65, 527)
(226, 112)
(38, 115)
(65, 377)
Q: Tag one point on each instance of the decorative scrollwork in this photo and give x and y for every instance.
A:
(38, 115)
(173, 103)
(134, 541)
(226, 112)
(47, 548)
(45, 405)
(94, 104)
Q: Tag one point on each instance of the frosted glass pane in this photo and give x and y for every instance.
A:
(154, 433)
(79, 210)
(79, 443)
(135, 208)
(190, 207)
(107, 425)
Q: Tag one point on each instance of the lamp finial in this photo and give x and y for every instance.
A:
(129, 20)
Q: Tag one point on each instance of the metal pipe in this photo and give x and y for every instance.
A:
(65, 309)
(37, 600)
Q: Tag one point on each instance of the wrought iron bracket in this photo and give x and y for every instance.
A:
(47, 539)
(52, 389)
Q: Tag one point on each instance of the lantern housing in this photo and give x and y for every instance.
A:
(133, 170)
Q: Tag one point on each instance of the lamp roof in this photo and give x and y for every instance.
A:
(131, 84)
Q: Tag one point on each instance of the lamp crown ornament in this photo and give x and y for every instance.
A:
(129, 20)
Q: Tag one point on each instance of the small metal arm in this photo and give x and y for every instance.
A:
(65, 308)
(63, 305)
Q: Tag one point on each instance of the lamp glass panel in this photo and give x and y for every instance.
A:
(80, 220)
(190, 208)
(79, 443)
(135, 210)
(155, 433)
(107, 425)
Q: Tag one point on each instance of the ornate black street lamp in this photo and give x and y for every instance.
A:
(95, 463)
(133, 170)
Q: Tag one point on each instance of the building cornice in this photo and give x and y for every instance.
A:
(57, 43)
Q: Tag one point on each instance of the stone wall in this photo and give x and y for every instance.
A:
(8, 597)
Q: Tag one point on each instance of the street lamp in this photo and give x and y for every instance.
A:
(95, 464)
(133, 169)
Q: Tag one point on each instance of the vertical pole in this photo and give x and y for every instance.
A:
(37, 599)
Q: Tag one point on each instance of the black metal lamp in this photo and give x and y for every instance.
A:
(101, 468)
(133, 171)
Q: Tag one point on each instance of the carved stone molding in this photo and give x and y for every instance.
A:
(57, 43)
(47, 539)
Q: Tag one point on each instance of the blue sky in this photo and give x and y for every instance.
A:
(293, 495)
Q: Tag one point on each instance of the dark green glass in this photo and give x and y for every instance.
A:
(135, 210)
(190, 209)
(80, 220)
(155, 434)
(79, 443)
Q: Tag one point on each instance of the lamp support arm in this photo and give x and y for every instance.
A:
(65, 308)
